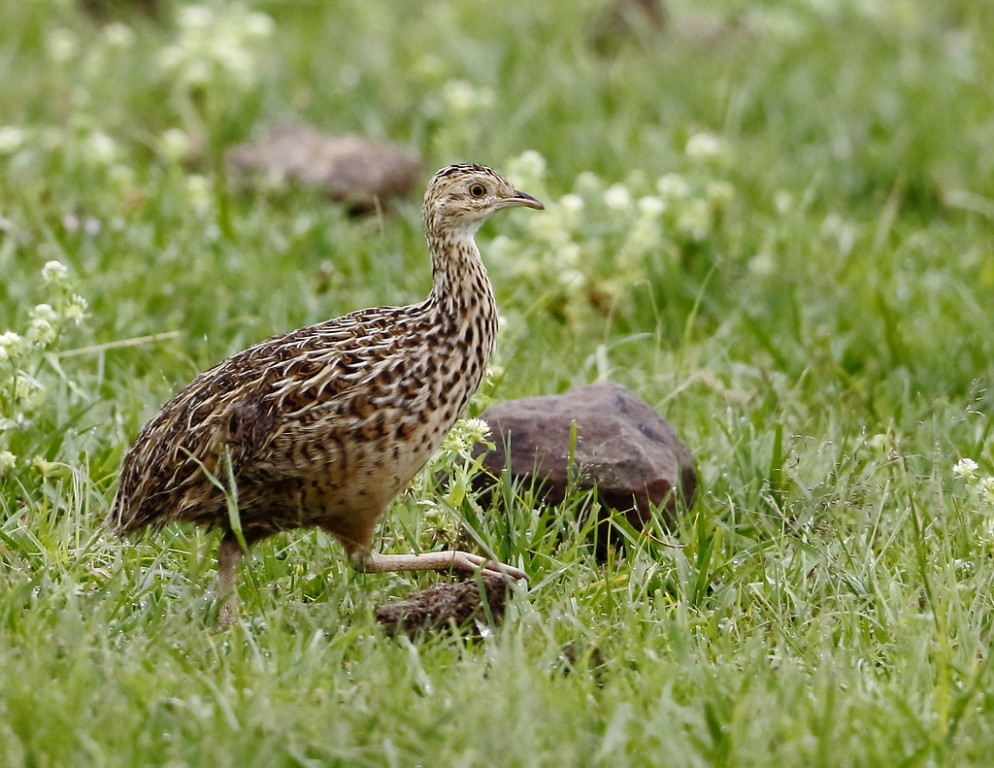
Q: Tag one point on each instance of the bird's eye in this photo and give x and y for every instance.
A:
(477, 190)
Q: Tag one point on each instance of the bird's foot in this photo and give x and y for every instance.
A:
(451, 560)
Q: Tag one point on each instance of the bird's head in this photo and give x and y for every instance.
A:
(461, 197)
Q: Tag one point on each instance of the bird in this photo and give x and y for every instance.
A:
(325, 425)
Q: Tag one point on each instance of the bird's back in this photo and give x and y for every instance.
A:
(328, 420)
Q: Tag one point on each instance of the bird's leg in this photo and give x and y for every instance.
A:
(451, 560)
(229, 555)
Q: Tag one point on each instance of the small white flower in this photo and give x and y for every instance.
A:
(527, 169)
(41, 332)
(26, 387)
(673, 186)
(617, 197)
(198, 190)
(195, 17)
(118, 35)
(122, 177)
(174, 144)
(62, 45)
(651, 206)
(11, 139)
(762, 264)
(75, 310)
(985, 489)
(783, 201)
(44, 467)
(881, 441)
(703, 145)
(101, 148)
(258, 25)
(7, 462)
(477, 430)
(54, 272)
(720, 194)
(44, 312)
(588, 181)
(572, 204)
(462, 98)
(10, 344)
(965, 467)
(571, 278)
(695, 220)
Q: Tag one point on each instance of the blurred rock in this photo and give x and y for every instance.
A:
(624, 448)
(105, 10)
(358, 172)
(624, 21)
(441, 606)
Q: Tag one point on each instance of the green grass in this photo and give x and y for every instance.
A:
(814, 315)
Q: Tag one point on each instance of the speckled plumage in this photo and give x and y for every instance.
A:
(324, 425)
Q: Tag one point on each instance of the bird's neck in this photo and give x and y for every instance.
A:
(461, 291)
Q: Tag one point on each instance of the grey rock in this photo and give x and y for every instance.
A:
(351, 169)
(624, 448)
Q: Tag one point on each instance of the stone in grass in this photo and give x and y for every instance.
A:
(350, 169)
(624, 449)
(444, 605)
(626, 21)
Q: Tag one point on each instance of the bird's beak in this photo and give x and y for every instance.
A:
(526, 200)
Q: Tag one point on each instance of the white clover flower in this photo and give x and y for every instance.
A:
(215, 42)
(477, 430)
(965, 467)
(463, 98)
(195, 17)
(527, 169)
(763, 265)
(617, 197)
(568, 255)
(985, 489)
(881, 441)
(11, 139)
(783, 201)
(651, 206)
(836, 229)
(44, 312)
(118, 35)
(44, 467)
(258, 25)
(54, 272)
(643, 236)
(7, 462)
(26, 387)
(673, 186)
(572, 278)
(233, 56)
(198, 191)
(122, 177)
(174, 144)
(695, 219)
(10, 344)
(41, 332)
(720, 194)
(703, 145)
(101, 148)
(62, 45)
(588, 181)
(75, 310)
(572, 204)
